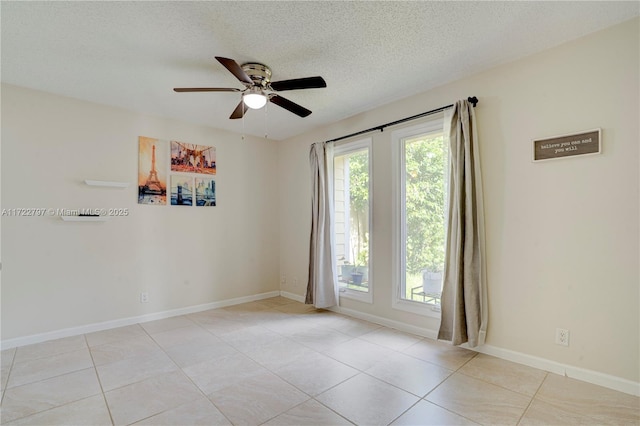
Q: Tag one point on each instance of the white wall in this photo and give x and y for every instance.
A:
(58, 275)
(562, 236)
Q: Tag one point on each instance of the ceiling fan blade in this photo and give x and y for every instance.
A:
(239, 111)
(235, 69)
(290, 106)
(299, 83)
(206, 89)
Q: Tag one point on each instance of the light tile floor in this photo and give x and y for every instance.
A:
(279, 362)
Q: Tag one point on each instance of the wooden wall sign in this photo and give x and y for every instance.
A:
(567, 145)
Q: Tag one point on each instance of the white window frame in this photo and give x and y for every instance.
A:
(434, 124)
(342, 148)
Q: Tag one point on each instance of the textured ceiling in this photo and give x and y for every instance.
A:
(131, 54)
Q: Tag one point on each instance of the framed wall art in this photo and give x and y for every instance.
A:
(152, 175)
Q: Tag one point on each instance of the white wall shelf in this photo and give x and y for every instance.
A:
(111, 184)
(84, 218)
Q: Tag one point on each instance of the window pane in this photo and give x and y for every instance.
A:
(351, 204)
(425, 159)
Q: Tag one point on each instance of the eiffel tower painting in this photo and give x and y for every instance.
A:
(152, 157)
(153, 183)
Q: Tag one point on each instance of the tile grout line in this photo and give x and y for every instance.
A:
(259, 364)
(63, 374)
(6, 385)
(13, 364)
(273, 371)
(162, 349)
(400, 352)
(500, 386)
(562, 407)
(236, 317)
(125, 359)
(331, 409)
(95, 370)
(424, 398)
(405, 411)
(533, 397)
(183, 372)
(367, 374)
(448, 377)
(279, 414)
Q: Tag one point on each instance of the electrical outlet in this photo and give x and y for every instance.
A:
(144, 297)
(562, 337)
(283, 280)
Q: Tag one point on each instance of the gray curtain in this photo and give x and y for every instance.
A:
(464, 292)
(321, 287)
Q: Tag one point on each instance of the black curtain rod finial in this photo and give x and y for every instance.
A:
(473, 100)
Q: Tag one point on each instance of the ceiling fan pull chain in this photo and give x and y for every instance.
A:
(266, 122)
(241, 101)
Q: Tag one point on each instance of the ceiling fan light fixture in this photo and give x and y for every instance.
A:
(259, 89)
(255, 99)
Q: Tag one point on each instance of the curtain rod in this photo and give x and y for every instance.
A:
(471, 99)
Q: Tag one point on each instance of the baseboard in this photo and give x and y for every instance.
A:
(292, 296)
(397, 325)
(589, 376)
(106, 325)
(420, 331)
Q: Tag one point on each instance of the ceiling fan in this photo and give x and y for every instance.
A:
(258, 87)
